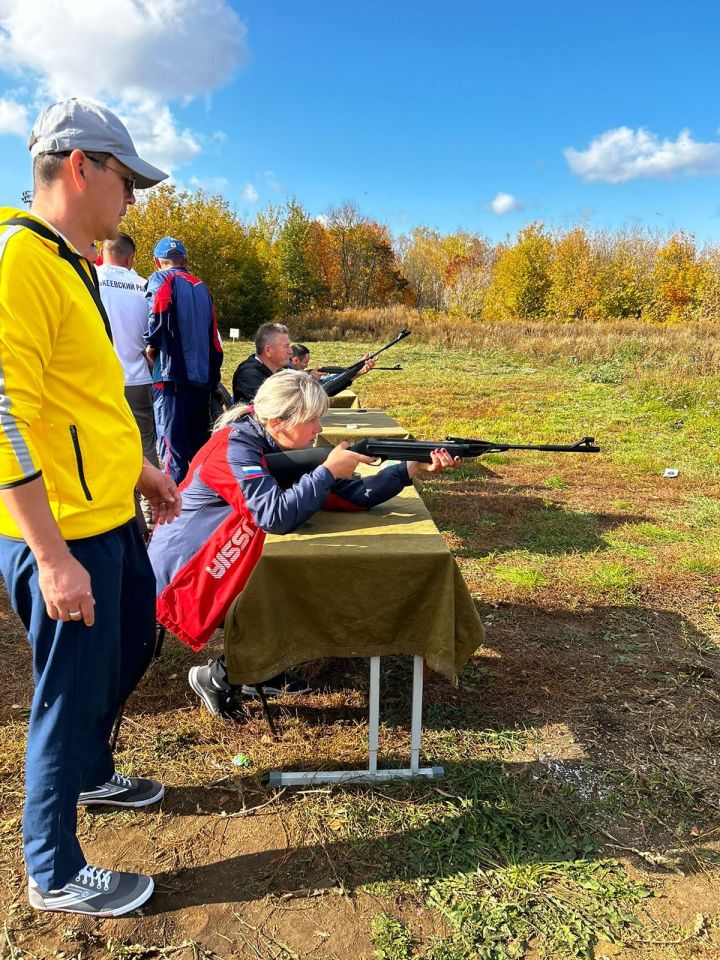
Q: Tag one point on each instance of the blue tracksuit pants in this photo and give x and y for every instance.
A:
(82, 676)
(182, 421)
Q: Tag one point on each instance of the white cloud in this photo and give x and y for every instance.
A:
(13, 117)
(139, 48)
(136, 58)
(156, 135)
(505, 203)
(624, 154)
(212, 185)
(273, 182)
(250, 194)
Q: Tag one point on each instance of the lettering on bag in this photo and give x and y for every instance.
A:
(231, 551)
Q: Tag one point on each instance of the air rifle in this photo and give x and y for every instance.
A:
(341, 369)
(343, 380)
(287, 467)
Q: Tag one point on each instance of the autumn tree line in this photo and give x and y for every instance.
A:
(286, 263)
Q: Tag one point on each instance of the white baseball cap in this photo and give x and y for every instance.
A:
(81, 125)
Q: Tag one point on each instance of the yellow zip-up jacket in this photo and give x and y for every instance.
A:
(63, 413)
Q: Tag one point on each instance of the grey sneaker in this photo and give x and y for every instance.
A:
(283, 684)
(122, 791)
(222, 699)
(94, 891)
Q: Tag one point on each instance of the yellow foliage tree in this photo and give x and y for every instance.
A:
(521, 281)
(219, 250)
(422, 258)
(571, 295)
(623, 284)
(469, 264)
(676, 280)
(708, 306)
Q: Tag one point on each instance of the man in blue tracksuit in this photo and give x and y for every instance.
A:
(187, 353)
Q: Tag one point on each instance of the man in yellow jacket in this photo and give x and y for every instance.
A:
(70, 458)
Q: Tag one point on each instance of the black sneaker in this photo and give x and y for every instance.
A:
(283, 683)
(220, 698)
(122, 791)
(94, 891)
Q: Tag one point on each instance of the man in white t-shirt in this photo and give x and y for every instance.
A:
(123, 294)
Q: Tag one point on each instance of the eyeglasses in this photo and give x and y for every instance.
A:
(129, 182)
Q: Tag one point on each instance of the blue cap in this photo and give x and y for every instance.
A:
(169, 249)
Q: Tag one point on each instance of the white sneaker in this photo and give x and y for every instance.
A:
(94, 891)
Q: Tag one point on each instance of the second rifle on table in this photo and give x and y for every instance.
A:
(342, 369)
(342, 380)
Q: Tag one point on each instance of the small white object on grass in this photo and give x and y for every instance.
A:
(670, 472)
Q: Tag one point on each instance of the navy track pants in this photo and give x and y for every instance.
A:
(182, 420)
(82, 676)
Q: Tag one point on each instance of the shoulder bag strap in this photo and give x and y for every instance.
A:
(72, 258)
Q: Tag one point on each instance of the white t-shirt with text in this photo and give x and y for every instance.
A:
(123, 294)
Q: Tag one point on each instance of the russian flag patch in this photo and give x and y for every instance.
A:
(251, 473)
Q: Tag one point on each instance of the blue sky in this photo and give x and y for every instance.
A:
(452, 115)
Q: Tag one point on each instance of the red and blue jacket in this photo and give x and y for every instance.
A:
(203, 559)
(182, 326)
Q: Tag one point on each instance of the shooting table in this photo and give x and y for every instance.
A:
(356, 584)
(358, 424)
(344, 399)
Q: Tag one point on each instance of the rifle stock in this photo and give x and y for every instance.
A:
(287, 467)
(343, 380)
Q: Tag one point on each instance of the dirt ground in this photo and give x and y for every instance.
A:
(612, 690)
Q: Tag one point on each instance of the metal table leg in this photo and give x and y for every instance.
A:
(372, 774)
(374, 714)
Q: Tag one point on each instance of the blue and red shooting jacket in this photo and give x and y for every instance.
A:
(183, 327)
(203, 559)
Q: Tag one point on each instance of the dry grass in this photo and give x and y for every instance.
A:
(587, 729)
(697, 345)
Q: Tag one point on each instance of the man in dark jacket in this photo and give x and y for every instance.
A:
(187, 353)
(272, 353)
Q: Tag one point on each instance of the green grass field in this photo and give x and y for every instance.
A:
(579, 815)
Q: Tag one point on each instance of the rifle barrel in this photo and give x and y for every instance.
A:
(287, 467)
(584, 445)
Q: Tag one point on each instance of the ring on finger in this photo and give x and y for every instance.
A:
(74, 614)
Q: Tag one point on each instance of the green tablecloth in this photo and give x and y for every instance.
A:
(352, 425)
(344, 399)
(354, 585)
